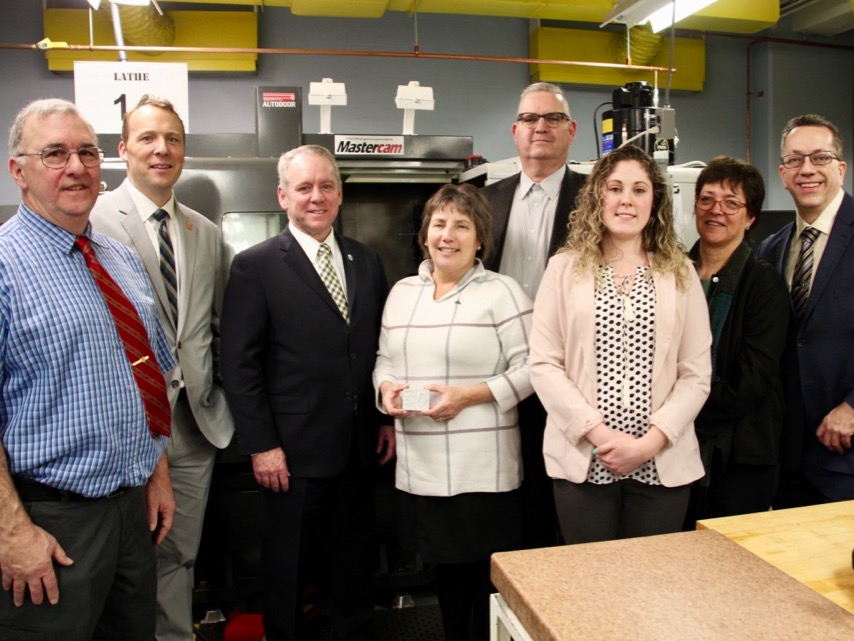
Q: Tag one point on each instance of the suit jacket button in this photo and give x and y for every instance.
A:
(179, 346)
(175, 384)
(353, 356)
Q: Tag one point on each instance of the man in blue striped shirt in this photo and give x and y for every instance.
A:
(84, 487)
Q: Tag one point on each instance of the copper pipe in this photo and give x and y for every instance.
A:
(332, 52)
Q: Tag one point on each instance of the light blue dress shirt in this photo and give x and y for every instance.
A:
(71, 415)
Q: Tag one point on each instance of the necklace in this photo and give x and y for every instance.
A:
(623, 285)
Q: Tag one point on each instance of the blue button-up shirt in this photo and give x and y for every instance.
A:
(71, 415)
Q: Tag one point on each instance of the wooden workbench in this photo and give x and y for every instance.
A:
(690, 586)
(812, 544)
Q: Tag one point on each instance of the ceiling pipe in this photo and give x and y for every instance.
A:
(43, 45)
(117, 31)
(755, 40)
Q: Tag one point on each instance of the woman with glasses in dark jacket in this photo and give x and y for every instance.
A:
(739, 427)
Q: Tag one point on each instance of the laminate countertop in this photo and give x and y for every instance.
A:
(689, 586)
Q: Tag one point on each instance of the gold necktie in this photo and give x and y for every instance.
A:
(330, 279)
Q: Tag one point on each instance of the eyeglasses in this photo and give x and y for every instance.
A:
(553, 119)
(729, 206)
(58, 157)
(817, 158)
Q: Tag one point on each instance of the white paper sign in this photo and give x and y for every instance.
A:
(104, 91)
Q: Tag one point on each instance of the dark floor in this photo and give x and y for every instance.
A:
(418, 623)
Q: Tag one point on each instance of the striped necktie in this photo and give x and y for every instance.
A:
(330, 279)
(167, 261)
(802, 274)
(143, 364)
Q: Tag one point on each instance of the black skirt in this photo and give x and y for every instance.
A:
(462, 528)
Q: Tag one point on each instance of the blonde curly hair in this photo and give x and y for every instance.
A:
(587, 232)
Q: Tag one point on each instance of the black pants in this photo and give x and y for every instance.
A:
(539, 522)
(321, 528)
(734, 489)
(109, 591)
(588, 512)
(463, 590)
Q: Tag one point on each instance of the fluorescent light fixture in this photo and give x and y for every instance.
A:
(658, 12)
(96, 4)
(663, 18)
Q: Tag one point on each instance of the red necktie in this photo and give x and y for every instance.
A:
(144, 366)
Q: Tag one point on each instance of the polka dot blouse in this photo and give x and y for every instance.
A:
(625, 343)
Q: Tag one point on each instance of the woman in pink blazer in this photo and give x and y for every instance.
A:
(620, 358)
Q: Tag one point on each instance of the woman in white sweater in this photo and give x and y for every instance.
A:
(620, 358)
(452, 366)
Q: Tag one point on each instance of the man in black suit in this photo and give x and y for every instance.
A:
(812, 170)
(530, 214)
(300, 325)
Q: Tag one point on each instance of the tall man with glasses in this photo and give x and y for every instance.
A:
(84, 481)
(530, 213)
(182, 253)
(815, 253)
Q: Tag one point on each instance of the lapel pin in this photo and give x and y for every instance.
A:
(188, 224)
(350, 257)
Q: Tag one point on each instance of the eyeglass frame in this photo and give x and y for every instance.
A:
(555, 115)
(831, 154)
(720, 201)
(68, 152)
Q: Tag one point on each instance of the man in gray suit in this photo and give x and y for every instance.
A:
(182, 253)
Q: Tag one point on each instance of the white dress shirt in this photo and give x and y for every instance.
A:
(529, 230)
(310, 246)
(824, 223)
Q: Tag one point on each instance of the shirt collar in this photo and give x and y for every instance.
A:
(825, 220)
(54, 234)
(551, 184)
(425, 273)
(310, 245)
(145, 206)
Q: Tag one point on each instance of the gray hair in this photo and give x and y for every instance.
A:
(42, 109)
(313, 150)
(547, 87)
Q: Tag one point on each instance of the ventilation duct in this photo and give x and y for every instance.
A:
(143, 26)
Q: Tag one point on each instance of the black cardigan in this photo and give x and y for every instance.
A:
(743, 416)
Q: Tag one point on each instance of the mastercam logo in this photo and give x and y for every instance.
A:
(368, 145)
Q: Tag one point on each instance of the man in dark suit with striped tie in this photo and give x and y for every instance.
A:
(816, 255)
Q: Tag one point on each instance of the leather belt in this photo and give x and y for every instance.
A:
(31, 491)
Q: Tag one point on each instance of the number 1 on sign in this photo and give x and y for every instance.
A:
(122, 101)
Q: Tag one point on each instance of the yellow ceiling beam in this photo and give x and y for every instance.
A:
(226, 29)
(733, 16)
(339, 8)
(573, 10)
(584, 45)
